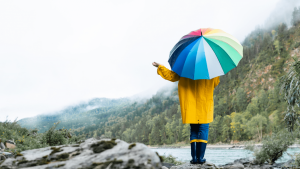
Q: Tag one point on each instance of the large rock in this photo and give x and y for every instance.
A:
(92, 153)
(10, 146)
(249, 163)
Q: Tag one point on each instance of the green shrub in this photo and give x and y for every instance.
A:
(274, 146)
(53, 137)
(30, 139)
(24, 138)
(297, 159)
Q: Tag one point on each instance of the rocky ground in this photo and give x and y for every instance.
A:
(98, 154)
(246, 163)
(110, 154)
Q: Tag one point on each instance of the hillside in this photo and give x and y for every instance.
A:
(73, 116)
(248, 104)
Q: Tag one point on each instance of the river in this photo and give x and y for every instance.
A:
(218, 156)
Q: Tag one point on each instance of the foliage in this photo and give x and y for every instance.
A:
(274, 146)
(171, 159)
(256, 125)
(297, 160)
(53, 137)
(291, 89)
(30, 139)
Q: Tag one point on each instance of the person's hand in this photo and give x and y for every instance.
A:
(155, 64)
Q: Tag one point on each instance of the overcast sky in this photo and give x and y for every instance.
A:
(58, 53)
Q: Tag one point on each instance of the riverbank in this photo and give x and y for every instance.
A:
(226, 146)
(219, 156)
(217, 145)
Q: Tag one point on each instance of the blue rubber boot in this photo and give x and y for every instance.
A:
(193, 153)
(200, 151)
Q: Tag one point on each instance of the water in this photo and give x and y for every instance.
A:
(219, 156)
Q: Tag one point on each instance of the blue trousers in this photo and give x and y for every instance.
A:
(199, 133)
(198, 140)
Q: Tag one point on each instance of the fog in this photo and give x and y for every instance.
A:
(57, 53)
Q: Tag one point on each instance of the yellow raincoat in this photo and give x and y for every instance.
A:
(195, 96)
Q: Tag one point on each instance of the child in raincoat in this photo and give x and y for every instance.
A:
(197, 108)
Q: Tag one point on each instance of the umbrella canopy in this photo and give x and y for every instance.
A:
(205, 53)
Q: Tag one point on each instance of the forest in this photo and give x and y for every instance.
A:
(248, 102)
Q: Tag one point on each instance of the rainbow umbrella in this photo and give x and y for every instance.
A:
(205, 53)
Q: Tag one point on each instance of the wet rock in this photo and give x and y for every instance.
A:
(10, 144)
(7, 154)
(168, 165)
(236, 147)
(235, 165)
(277, 165)
(2, 157)
(229, 163)
(267, 167)
(194, 166)
(250, 163)
(92, 153)
(8, 163)
(243, 161)
(289, 163)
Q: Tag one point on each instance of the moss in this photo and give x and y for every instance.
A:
(63, 156)
(105, 164)
(27, 163)
(45, 156)
(131, 146)
(42, 162)
(55, 150)
(103, 145)
(22, 162)
(76, 145)
(130, 161)
(31, 164)
(60, 165)
(19, 154)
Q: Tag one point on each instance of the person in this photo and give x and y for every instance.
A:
(197, 106)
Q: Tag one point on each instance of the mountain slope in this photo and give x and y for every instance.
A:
(73, 116)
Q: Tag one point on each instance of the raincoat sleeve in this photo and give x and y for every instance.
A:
(167, 74)
(216, 81)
